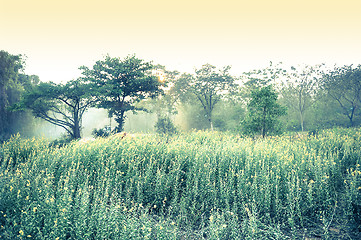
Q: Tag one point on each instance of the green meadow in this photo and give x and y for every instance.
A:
(200, 185)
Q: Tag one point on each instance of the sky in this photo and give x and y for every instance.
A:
(60, 36)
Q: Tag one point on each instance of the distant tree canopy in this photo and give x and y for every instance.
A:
(207, 85)
(208, 98)
(300, 89)
(13, 82)
(263, 111)
(60, 104)
(122, 83)
(10, 67)
(344, 85)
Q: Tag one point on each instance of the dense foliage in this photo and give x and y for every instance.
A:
(120, 83)
(12, 84)
(197, 186)
(60, 104)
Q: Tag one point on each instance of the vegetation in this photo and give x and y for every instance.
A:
(12, 84)
(317, 97)
(181, 183)
(203, 185)
(61, 105)
(119, 84)
(344, 85)
(208, 86)
(263, 112)
(164, 125)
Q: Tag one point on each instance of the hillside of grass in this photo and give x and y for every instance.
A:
(200, 185)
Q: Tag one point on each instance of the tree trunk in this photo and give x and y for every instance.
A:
(264, 123)
(76, 126)
(120, 120)
(301, 120)
(3, 113)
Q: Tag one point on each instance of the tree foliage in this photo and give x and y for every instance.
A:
(10, 67)
(300, 89)
(263, 111)
(344, 85)
(122, 83)
(208, 85)
(60, 104)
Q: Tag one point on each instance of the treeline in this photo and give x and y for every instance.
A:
(263, 101)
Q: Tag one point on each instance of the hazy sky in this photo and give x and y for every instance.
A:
(60, 36)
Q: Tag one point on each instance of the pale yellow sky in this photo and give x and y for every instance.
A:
(60, 36)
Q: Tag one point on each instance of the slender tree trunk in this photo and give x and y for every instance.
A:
(301, 120)
(264, 123)
(210, 120)
(120, 120)
(351, 116)
(3, 113)
(76, 126)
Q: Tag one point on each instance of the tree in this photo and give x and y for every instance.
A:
(300, 89)
(263, 111)
(344, 85)
(122, 83)
(208, 86)
(259, 78)
(61, 105)
(10, 67)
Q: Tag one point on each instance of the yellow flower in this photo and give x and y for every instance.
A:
(34, 209)
(21, 232)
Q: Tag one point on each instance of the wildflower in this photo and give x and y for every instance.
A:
(34, 209)
(211, 218)
(21, 232)
(173, 223)
(29, 236)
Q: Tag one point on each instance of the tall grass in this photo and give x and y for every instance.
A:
(197, 186)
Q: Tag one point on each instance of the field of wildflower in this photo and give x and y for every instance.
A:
(200, 185)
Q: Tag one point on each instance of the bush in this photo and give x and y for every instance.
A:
(164, 125)
(101, 132)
